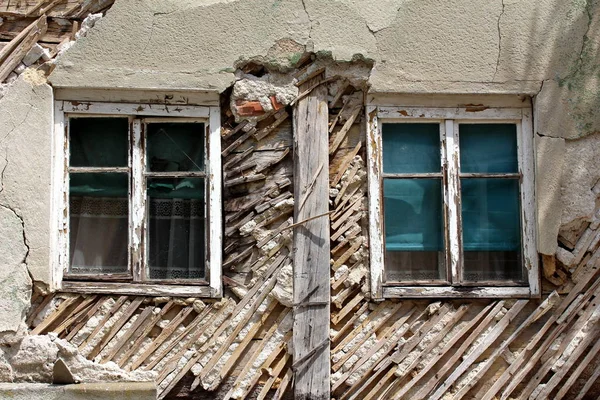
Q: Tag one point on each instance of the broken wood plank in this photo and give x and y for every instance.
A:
(39, 309)
(434, 381)
(226, 134)
(12, 54)
(115, 307)
(56, 314)
(142, 317)
(164, 334)
(245, 179)
(236, 143)
(77, 312)
(237, 158)
(242, 324)
(131, 309)
(226, 368)
(264, 132)
(347, 308)
(80, 322)
(285, 381)
(538, 313)
(144, 333)
(487, 341)
(273, 376)
(199, 320)
(340, 135)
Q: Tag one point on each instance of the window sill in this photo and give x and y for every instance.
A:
(137, 289)
(457, 292)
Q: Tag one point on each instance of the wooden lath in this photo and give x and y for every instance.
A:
(32, 31)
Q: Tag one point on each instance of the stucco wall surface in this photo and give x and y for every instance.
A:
(426, 46)
(25, 154)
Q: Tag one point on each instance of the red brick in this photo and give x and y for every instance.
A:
(249, 108)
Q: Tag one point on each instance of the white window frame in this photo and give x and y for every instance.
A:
(137, 113)
(449, 118)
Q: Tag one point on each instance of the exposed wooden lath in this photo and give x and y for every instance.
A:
(31, 31)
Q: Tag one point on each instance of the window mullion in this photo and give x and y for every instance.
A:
(137, 200)
(453, 204)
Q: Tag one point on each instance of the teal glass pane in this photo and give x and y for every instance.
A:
(176, 188)
(173, 147)
(98, 142)
(490, 214)
(98, 223)
(99, 185)
(488, 148)
(176, 228)
(414, 238)
(411, 148)
(491, 230)
(413, 214)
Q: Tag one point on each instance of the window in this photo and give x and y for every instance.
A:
(138, 188)
(451, 202)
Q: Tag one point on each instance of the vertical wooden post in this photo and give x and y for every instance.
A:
(311, 247)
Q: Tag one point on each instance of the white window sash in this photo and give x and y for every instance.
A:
(449, 118)
(59, 241)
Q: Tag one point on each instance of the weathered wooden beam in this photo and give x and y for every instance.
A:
(311, 243)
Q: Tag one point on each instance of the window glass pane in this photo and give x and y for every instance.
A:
(175, 147)
(488, 148)
(491, 229)
(98, 142)
(98, 221)
(176, 228)
(414, 229)
(411, 148)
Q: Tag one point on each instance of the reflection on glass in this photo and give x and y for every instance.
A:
(173, 147)
(176, 228)
(491, 229)
(98, 223)
(414, 239)
(411, 148)
(488, 148)
(98, 142)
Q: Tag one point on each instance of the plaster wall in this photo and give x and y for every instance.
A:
(546, 49)
(25, 154)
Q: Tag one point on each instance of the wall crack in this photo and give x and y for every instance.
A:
(24, 261)
(310, 22)
(499, 42)
(2, 172)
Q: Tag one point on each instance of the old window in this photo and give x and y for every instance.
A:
(139, 199)
(451, 202)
